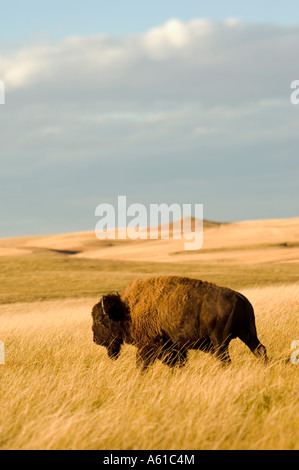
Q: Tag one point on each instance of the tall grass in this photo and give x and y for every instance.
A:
(60, 391)
(47, 275)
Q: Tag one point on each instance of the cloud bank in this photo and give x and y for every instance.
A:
(195, 112)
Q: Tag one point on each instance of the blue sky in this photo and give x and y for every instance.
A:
(35, 20)
(176, 102)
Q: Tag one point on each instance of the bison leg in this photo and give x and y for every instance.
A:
(261, 352)
(204, 345)
(223, 354)
(145, 356)
(174, 357)
(220, 348)
(257, 348)
(170, 353)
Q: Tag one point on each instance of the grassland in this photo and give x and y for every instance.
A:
(48, 275)
(58, 390)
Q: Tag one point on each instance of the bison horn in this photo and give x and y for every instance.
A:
(103, 307)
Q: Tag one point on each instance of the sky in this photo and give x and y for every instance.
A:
(164, 102)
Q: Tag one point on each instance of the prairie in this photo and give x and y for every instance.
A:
(58, 390)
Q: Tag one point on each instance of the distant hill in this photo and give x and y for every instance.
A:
(181, 226)
(235, 242)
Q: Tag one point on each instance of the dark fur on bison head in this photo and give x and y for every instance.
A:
(107, 329)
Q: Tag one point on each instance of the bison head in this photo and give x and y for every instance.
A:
(107, 328)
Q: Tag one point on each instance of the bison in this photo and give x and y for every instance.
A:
(166, 316)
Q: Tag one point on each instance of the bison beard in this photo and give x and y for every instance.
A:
(166, 316)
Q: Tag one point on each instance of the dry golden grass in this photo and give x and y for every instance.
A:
(60, 391)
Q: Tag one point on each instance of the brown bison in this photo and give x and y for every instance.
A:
(167, 315)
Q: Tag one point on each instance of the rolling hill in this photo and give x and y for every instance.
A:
(244, 242)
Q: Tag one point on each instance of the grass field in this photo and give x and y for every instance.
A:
(58, 390)
(45, 275)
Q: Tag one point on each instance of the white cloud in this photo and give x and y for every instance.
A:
(197, 58)
(162, 41)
